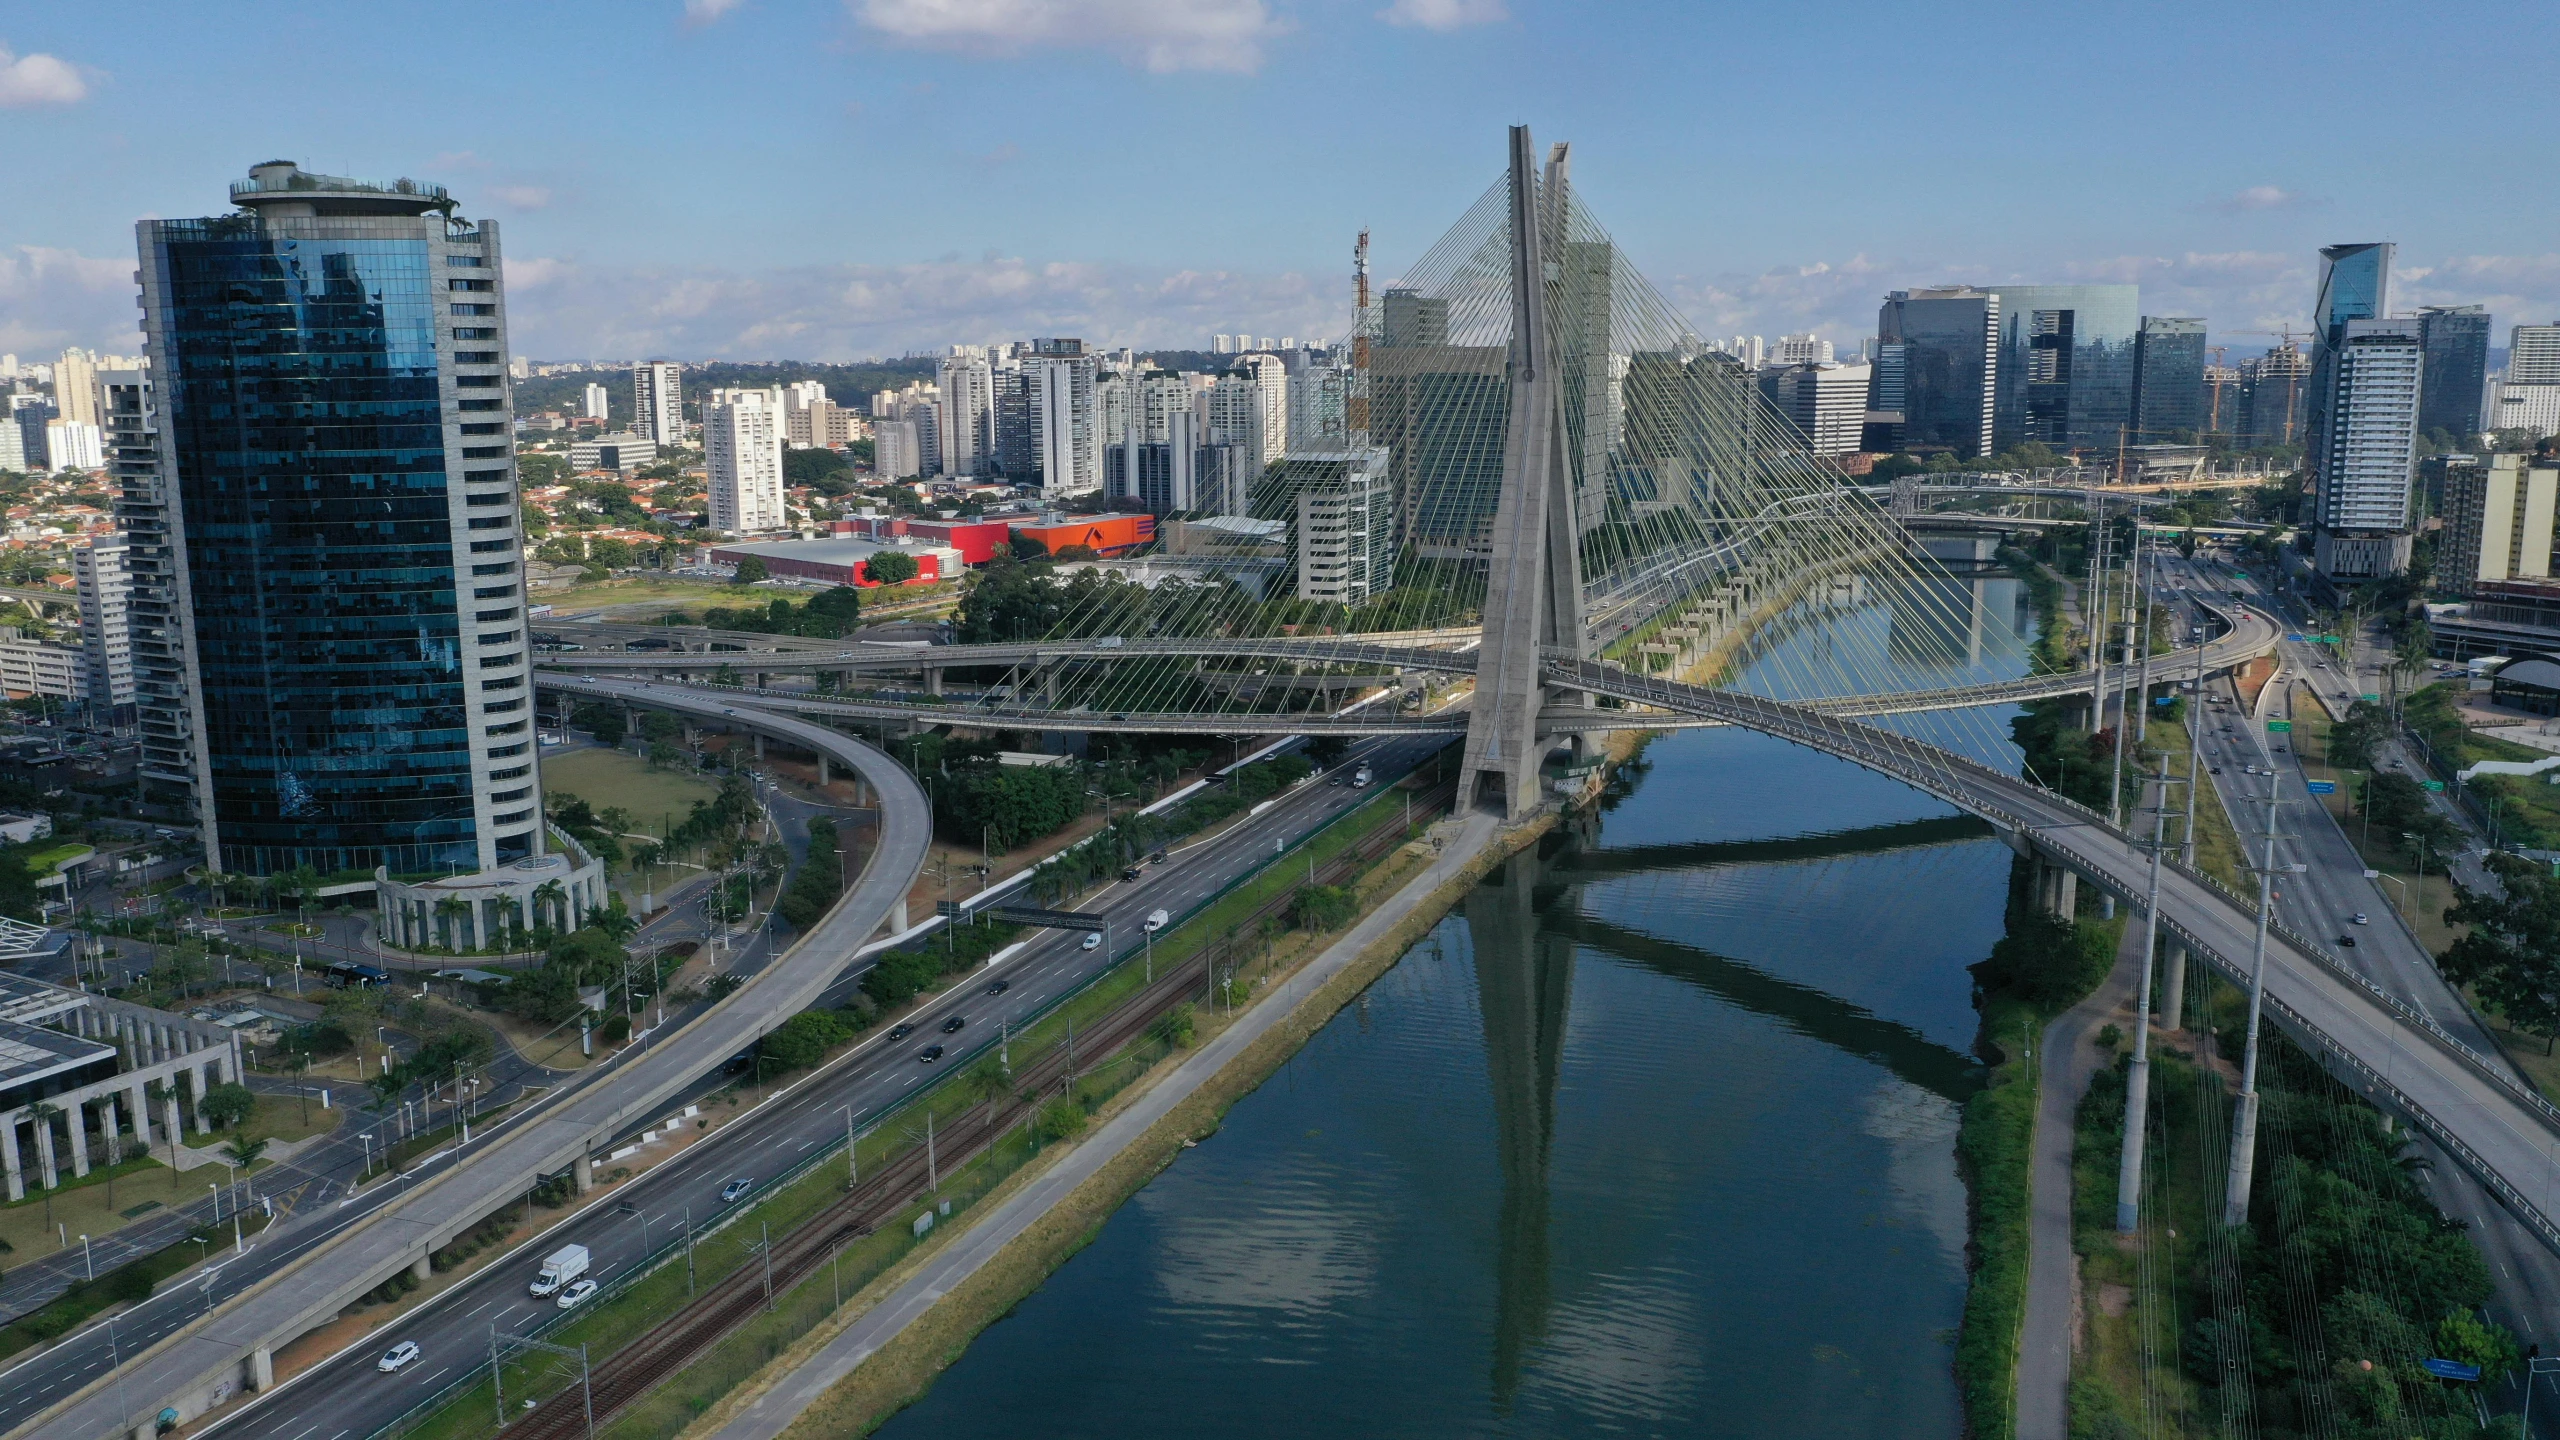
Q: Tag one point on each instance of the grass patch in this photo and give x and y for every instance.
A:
(604, 777)
(2218, 847)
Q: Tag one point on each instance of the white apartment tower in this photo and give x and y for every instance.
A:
(742, 447)
(2365, 446)
(657, 403)
(599, 404)
(106, 627)
(1061, 396)
(1249, 409)
(965, 412)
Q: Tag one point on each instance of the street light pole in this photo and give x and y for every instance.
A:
(2244, 1118)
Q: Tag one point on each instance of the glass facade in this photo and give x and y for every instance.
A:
(2355, 284)
(2066, 365)
(2168, 380)
(2457, 343)
(1949, 345)
(303, 416)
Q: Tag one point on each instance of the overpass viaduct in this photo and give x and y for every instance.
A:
(186, 1364)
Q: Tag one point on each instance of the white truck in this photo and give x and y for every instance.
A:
(1361, 777)
(1158, 919)
(559, 1268)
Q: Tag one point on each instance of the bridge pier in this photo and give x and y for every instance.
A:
(2173, 988)
(933, 680)
(582, 1175)
(262, 1370)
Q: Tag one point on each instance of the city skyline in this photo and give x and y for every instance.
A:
(888, 184)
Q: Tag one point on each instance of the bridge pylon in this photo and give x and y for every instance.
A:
(1533, 593)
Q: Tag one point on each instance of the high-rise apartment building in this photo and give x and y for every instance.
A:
(105, 587)
(1249, 409)
(2361, 423)
(2529, 398)
(1826, 401)
(75, 388)
(1058, 382)
(2169, 400)
(657, 403)
(1806, 349)
(893, 450)
(2065, 375)
(966, 412)
(599, 403)
(2498, 524)
(742, 447)
(155, 640)
(337, 488)
(2533, 355)
(2456, 338)
(1346, 523)
(1950, 343)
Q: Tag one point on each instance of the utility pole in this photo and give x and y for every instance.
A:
(2195, 749)
(2137, 1093)
(2244, 1117)
(2142, 727)
(2093, 610)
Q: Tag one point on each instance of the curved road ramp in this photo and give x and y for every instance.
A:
(200, 1363)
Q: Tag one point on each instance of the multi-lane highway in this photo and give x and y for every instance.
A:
(2322, 901)
(347, 1396)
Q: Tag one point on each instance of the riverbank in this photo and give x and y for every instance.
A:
(873, 1360)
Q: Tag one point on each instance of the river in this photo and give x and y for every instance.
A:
(1653, 1136)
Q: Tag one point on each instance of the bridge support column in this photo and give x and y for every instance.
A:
(933, 681)
(582, 1175)
(423, 1268)
(824, 779)
(898, 918)
(759, 745)
(262, 1369)
(2173, 989)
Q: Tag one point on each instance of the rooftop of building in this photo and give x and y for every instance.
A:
(826, 550)
(283, 186)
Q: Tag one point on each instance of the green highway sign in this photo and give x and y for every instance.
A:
(2279, 727)
(2370, 699)
(2328, 639)
(2432, 784)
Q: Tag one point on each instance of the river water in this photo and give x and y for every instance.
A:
(1653, 1136)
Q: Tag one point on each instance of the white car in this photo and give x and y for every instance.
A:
(2361, 920)
(570, 1298)
(397, 1356)
(1092, 940)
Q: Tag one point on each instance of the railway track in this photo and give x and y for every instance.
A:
(631, 1372)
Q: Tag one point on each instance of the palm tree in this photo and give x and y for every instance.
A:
(551, 898)
(452, 910)
(245, 1151)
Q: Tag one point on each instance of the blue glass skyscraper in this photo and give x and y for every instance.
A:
(334, 531)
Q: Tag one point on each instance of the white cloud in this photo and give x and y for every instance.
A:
(51, 298)
(1159, 35)
(570, 310)
(523, 197)
(704, 12)
(2264, 197)
(1444, 14)
(38, 80)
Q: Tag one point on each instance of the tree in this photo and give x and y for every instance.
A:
(1322, 907)
(890, 567)
(602, 721)
(1328, 750)
(244, 1152)
(750, 570)
(2512, 955)
(803, 1040)
(229, 1106)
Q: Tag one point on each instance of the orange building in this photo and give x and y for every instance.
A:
(1106, 535)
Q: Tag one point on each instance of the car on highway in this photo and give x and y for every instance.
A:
(1092, 940)
(397, 1356)
(1130, 875)
(928, 1054)
(2360, 919)
(2349, 941)
(901, 1031)
(952, 1025)
(999, 987)
(570, 1298)
(730, 1192)
(2217, 769)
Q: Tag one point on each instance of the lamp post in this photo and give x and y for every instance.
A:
(2137, 1092)
(2538, 1365)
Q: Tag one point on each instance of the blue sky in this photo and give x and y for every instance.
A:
(832, 179)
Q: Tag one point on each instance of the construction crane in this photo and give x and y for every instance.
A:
(2287, 335)
(1355, 404)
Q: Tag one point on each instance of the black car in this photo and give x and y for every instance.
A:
(1130, 874)
(901, 1031)
(2348, 941)
(929, 1054)
(952, 1025)
(999, 987)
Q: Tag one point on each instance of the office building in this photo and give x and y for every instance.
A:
(2065, 375)
(2363, 446)
(966, 413)
(599, 403)
(2533, 409)
(28, 416)
(742, 450)
(1807, 349)
(2533, 355)
(1346, 523)
(657, 402)
(2456, 338)
(2361, 419)
(1826, 401)
(2498, 524)
(2222, 391)
(70, 445)
(357, 693)
(620, 450)
(2528, 399)
(1249, 409)
(1949, 339)
(2169, 400)
(105, 587)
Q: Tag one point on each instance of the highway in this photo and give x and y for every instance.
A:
(312, 1269)
(2322, 902)
(346, 1396)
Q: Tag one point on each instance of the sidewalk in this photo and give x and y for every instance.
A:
(771, 1412)
(2050, 1331)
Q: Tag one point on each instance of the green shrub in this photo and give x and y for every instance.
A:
(1061, 1120)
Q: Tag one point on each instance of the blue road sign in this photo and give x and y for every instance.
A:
(2451, 1369)
(2323, 787)
(2297, 639)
